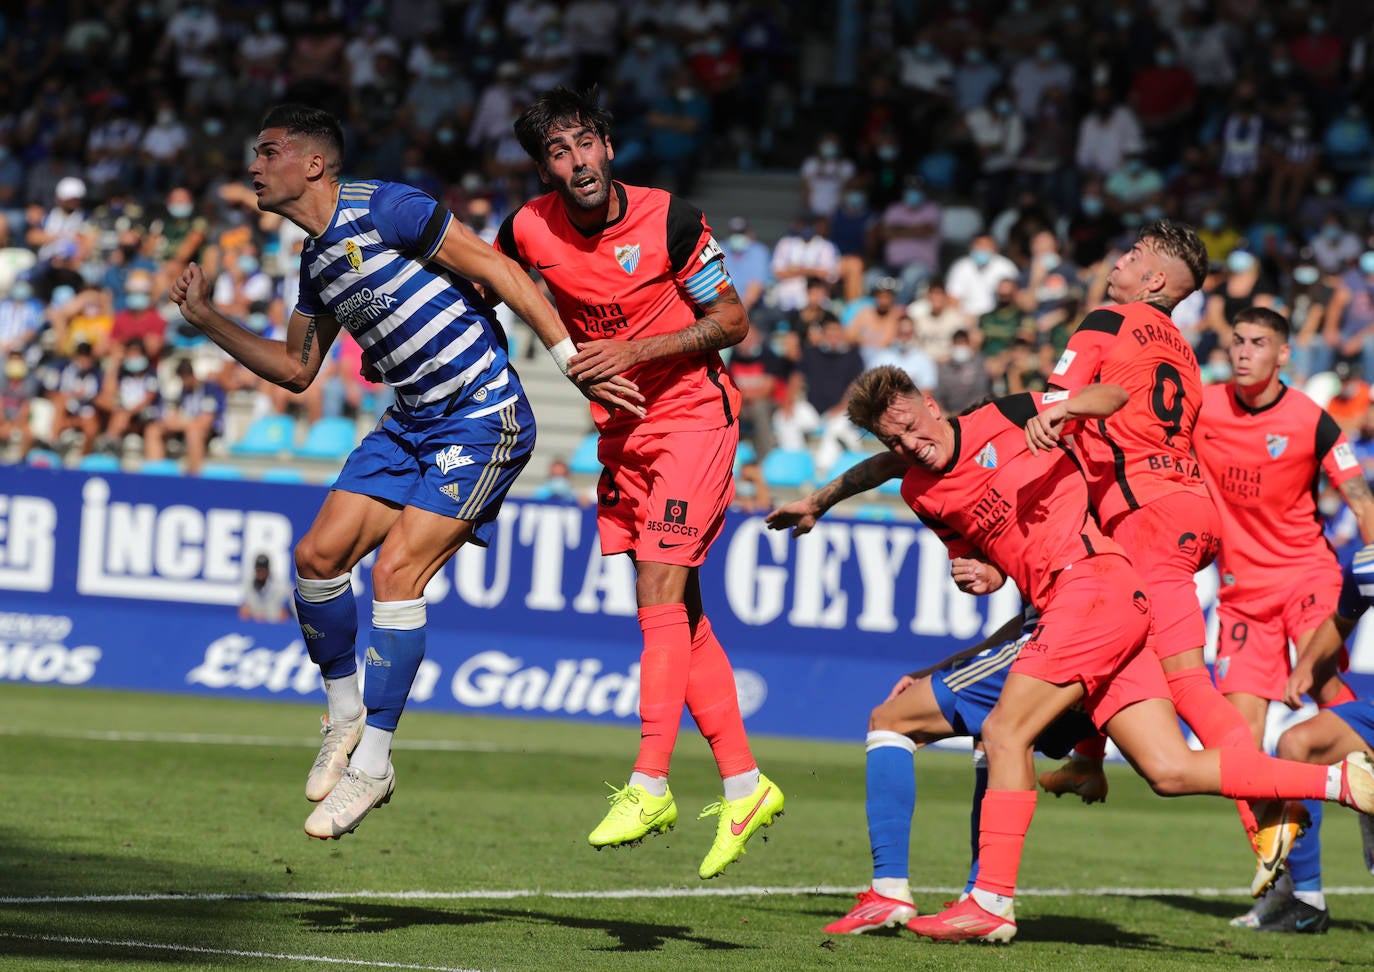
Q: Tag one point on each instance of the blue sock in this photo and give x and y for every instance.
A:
(890, 802)
(975, 818)
(330, 629)
(393, 657)
(1305, 860)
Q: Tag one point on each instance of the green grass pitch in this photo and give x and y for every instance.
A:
(155, 832)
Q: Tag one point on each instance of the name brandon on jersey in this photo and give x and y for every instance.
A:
(603, 319)
(356, 311)
(1149, 333)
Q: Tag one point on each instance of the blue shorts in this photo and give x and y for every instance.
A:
(456, 466)
(967, 690)
(1358, 715)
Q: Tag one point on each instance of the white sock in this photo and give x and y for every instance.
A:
(656, 785)
(1000, 905)
(878, 738)
(897, 888)
(1317, 899)
(373, 754)
(741, 785)
(344, 697)
(1333, 781)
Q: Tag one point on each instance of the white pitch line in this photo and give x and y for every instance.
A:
(211, 739)
(506, 894)
(235, 952)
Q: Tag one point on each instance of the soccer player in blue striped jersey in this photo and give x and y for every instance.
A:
(397, 271)
(1296, 903)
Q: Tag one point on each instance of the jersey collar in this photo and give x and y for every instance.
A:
(624, 202)
(1283, 390)
(953, 453)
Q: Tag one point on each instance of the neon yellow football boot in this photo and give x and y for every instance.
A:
(739, 820)
(635, 814)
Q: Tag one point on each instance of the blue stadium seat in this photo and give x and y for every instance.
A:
(938, 170)
(788, 468)
(584, 459)
(220, 470)
(846, 460)
(100, 462)
(744, 454)
(45, 458)
(329, 438)
(282, 474)
(160, 467)
(268, 435)
(893, 487)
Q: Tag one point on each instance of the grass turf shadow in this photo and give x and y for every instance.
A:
(630, 936)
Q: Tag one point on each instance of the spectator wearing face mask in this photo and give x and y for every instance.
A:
(852, 228)
(128, 394)
(962, 378)
(998, 134)
(181, 233)
(194, 415)
(802, 253)
(824, 175)
(679, 126)
(905, 352)
(139, 319)
(937, 319)
(242, 282)
(18, 388)
(1335, 248)
(908, 233)
(1218, 235)
(747, 261)
(973, 278)
(1309, 299)
(1319, 201)
(1244, 285)
(1092, 228)
(1352, 314)
(85, 319)
(21, 317)
(1163, 96)
(74, 389)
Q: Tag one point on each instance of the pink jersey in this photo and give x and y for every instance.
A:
(1027, 513)
(1263, 468)
(628, 280)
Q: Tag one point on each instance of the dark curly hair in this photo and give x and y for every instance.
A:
(559, 107)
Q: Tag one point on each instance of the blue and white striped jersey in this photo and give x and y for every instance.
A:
(425, 329)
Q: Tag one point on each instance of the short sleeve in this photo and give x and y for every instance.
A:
(408, 221)
(1079, 364)
(1337, 456)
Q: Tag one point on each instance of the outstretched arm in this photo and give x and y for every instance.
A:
(1361, 502)
(292, 364)
(801, 515)
(1319, 660)
(463, 252)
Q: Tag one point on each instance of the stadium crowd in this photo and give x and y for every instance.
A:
(961, 198)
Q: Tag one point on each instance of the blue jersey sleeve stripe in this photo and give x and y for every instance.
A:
(707, 282)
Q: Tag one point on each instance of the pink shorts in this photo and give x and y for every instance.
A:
(664, 496)
(1252, 637)
(1092, 630)
(1169, 540)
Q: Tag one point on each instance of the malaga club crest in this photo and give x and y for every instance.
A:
(1275, 444)
(628, 257)
(987, 457)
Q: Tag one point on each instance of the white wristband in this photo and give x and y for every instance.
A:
(562, 353)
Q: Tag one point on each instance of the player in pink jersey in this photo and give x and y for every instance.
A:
(994, 484)
(641, 284)
(1148, 494)
(1263, 447)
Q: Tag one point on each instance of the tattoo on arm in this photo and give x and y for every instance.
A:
(705, 335)
(307, 342)
(869, 474)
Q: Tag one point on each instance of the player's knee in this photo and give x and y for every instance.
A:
(1299, 744)
(1167, 777)
(314, 561)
